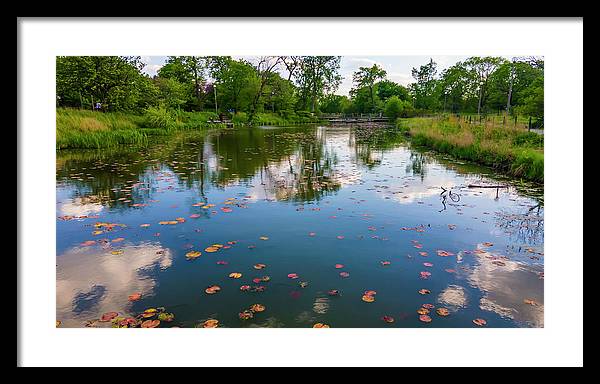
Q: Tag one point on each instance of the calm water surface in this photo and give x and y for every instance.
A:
(300, 201)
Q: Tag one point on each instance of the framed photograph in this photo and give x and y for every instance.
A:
(390, 189)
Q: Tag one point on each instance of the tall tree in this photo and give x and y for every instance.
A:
(423, 89)
(113, 81)
(366, 77)
(235, 82)
(482, 68)
(317, 76)
(265, 68)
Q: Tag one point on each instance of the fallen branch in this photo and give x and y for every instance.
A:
(486, 186)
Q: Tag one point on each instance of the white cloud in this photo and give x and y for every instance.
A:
(401, 78)
(152, 69)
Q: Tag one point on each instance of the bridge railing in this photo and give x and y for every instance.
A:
(362, 116)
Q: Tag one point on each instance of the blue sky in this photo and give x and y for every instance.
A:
(398, 68)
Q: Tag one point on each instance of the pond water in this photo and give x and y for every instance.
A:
(350, 209)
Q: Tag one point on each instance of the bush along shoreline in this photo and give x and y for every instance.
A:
(510, 150)
(85, 129)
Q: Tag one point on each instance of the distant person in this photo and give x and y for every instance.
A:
(98, 106)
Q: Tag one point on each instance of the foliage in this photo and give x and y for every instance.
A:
(511, 150)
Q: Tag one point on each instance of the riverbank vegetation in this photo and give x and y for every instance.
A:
(509, 149)
(109, 100)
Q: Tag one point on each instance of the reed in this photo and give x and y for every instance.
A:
(512, 150)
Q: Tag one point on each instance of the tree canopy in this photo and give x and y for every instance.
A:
(299, 84)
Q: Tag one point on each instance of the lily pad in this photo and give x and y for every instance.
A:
(210, 323)
(150, 323)
(479, 322)
(212, 289)
(257, 308)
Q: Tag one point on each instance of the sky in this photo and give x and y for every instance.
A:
(398, 68)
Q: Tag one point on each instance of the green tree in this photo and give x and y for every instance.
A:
(394, 107)
(425, 85)
(317, 76)
(366, 77)
(481, 69)
(387, 89)
(335, 104)
(236, 82)
(114, 81)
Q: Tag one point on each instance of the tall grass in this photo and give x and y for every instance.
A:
(88, 129)
(77, 128)
(509, 149)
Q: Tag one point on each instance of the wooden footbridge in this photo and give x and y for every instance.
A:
(355, 118)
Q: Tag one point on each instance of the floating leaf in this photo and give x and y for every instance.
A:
(245, 315)
(211, 249)
(150, 323)
(58, 323)
(442, 311)
(292, 275)
(212, 289)
(384, 263)
(428, 306)
(192, 255)
(368, 298)
(424, 291)
(320, 325)
(303, 284)
(333, 292)
(259, 266)
(144, 225)
(168, 317)
(135, 296)
(388, 319)
(424, 274)
(344, 274)
(530, 302)
(425, 318)
(210, 323)
(108, 316)
(263, 238)
(422, 311)
(116, 252)
(479, 322)
(257, 307)
(428, 264)
(128, 322)
(245, 288)
(339, 266)
(88, 243)
(235, 275)
(340, 237)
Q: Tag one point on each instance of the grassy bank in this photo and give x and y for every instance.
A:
(87, 129)
(510, 150)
